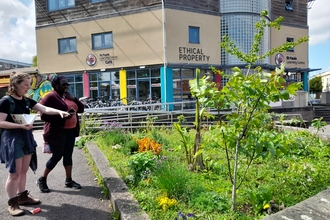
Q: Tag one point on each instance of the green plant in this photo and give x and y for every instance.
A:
(89, 122)
(181, 119)
(141, 165)
(173, 179)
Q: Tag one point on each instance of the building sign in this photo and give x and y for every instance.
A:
(90, 59)
(93, 88)
(192, 54)
(131, 86)
(107, 58)
(155, 85)
(279, 59)
(293, 60)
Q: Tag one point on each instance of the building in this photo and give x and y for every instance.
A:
(6, 67)
(141, 49)
(10, 64)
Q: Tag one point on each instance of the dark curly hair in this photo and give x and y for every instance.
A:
(56, 81)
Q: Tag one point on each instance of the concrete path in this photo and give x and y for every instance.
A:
(62, 203)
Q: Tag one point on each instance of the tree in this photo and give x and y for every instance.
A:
(315, 84)
(246, 133)
(34, 61)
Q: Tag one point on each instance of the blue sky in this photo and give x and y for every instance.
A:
(17, 32)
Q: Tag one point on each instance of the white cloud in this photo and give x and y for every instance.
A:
(318, 21)
(17, 31)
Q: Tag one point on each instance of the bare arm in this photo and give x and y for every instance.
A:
(49, 111)
(10, 125)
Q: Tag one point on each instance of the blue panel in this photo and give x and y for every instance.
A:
(305, 81)
(166, 84)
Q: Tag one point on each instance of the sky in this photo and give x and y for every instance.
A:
(18, 42)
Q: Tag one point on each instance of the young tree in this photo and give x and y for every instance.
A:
(246, 134)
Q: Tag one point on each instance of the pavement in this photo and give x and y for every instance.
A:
(87, 203)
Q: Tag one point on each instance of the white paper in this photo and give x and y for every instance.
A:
(24, 118)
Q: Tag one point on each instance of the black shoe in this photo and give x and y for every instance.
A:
(72, 184)
(42, 184)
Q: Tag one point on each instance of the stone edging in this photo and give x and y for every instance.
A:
(122, 201)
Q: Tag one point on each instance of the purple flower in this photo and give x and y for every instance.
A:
(182, 215)
(190, 215)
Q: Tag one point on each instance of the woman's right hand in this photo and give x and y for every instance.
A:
(64, 114)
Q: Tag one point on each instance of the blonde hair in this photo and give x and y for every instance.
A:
(15, 79)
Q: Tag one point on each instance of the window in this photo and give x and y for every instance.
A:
(290, 40)
(288, 5)
(60, 4)
(67, 45)
(194, 35)
(101, 41)
(94, 1)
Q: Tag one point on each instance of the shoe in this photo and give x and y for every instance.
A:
(13, 207)
(42, 184)
(72, 184)
(25, 199)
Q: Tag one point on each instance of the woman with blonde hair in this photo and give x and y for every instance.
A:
(18, 147)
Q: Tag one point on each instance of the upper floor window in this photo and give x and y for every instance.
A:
(291, 40)
(101, 41)
(288, 5)
(94, 1)
(194, 35)
(67, 45)
(54, 5)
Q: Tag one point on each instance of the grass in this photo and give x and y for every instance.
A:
(166, 189)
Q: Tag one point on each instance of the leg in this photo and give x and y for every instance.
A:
(22, 193)
(22, 175)
(57, 154)
(12, 180)
(11, 189)
(67, 159)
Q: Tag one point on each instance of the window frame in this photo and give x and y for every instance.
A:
(57, 3)
(102, 35)
(194, 34)
(68, 45)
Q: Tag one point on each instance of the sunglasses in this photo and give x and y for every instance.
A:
(65, 84)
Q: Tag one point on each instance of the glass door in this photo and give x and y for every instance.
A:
(143, 90)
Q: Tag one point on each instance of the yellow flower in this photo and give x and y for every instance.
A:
(267, 206)
(166, 202)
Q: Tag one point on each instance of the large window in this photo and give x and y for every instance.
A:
(67, 45)
(194, 35)
(101, 41)
(54, 5)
